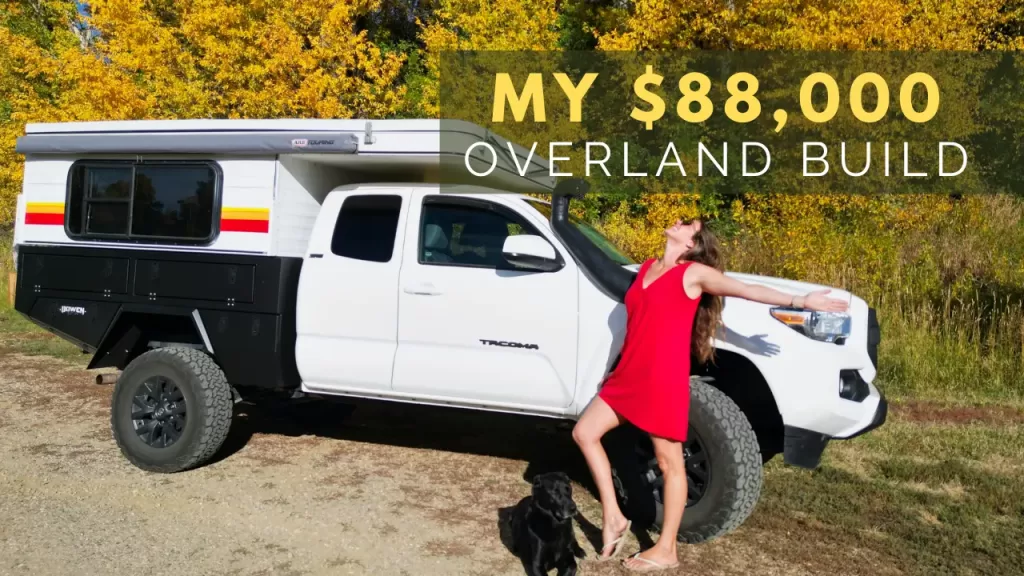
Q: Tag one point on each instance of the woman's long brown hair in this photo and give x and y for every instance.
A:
(709, 311)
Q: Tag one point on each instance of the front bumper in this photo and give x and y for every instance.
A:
(803, 448)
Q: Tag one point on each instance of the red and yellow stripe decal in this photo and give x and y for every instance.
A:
(46, 213)
(231, 219)
(245, 220)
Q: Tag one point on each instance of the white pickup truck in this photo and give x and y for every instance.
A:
(204, 258)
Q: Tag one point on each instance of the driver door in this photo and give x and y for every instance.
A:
(473, 328)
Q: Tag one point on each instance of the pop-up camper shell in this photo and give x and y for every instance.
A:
(271, 175)
(95, 204)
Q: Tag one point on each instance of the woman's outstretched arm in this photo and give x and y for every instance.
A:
(707, 279)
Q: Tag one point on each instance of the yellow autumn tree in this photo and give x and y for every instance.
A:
(830, 25)
(48, 75)
(466, 42)
(203, 58)
(788, 234)
(187, 59)
(495, 25)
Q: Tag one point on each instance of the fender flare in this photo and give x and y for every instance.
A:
(122, 340)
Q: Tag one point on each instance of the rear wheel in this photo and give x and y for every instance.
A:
(171, 410)
(723, 470)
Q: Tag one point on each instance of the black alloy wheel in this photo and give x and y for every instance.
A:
(698, 469)
(159, 412)
(723, 469)
(171, 409)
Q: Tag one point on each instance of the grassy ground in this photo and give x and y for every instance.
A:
(21, 335)
(928, 492)
(938, 490)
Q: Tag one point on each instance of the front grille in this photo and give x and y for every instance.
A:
(874, 336)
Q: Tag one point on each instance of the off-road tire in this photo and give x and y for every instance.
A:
(208, 400)
(735, 470)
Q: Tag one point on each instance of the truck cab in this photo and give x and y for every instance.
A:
(443, 316)
(463, 286)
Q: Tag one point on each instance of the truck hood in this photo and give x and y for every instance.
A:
(780, 284)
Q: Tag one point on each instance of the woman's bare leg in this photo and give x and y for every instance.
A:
(595, 422)
(670, 459)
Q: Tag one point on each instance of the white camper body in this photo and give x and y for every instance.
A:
(274, 174)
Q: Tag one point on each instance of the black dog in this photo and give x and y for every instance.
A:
(541, 525)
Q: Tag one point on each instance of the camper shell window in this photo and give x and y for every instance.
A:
(144, 201)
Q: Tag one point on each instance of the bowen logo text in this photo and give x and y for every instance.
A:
(72, 310)
(507, 344)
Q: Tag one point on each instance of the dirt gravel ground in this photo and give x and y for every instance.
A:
(308, 487)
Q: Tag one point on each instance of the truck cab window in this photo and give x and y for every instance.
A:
(366, 227)
(466, 235)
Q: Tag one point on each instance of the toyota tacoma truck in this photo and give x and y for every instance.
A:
(205, 258)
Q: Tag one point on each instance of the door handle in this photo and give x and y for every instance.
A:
(424, 289)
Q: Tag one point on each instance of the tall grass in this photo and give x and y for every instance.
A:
(949, 292)
(6, 267)
(971, 352)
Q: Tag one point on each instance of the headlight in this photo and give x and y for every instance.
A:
(822, 326)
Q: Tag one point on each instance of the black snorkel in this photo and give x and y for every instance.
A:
(613, 279)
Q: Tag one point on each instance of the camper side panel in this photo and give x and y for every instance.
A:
(301, 188)
(241, 207)
(44, 193)
(246, 207)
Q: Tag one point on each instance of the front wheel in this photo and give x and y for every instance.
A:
(171, 410)
(723, 470)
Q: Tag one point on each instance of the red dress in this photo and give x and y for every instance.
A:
(650, 386)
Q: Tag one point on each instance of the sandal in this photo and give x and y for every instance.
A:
(618, 542)
(651, 565)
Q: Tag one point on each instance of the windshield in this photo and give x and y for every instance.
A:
(599, 240)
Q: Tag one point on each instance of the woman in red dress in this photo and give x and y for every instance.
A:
(673, 308)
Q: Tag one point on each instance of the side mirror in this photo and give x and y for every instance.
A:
(531, 252)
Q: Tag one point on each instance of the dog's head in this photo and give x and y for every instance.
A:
(552, 493)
